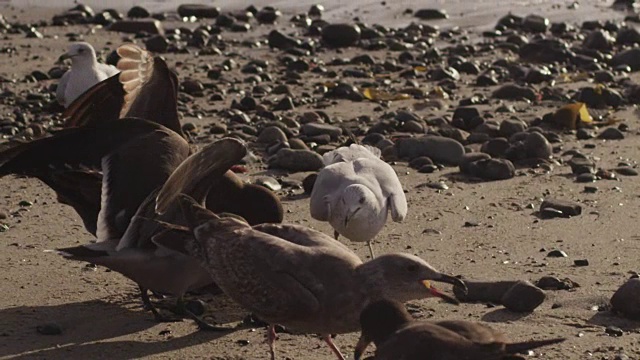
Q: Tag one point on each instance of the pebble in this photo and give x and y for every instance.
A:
(564, 207)
(271, 135)
(440, 149)
(341, 35)
(557, 253)
(554, 283)
(278, 40)
(491, 169)
(515, 92)
(196, 307)
(581, 262)
(627, 171)
(313, 129)
(296, 160)
(198, 11)
(523, 297)
(611, 133)
(134, 27)
(431, 14)
(537, 146)
(626, 300)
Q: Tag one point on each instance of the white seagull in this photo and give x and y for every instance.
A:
(85, 72)
(354, 191)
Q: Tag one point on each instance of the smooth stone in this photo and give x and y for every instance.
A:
(313, 129)
(611, 133)
(440, 149)
(431, 14)
(554, 283)
(515, 92)
(626, 300)
(133, 27)
(198, 11)
(341, 35)
(495, 147)
(468, 159)
(625, 170)
(509, 127)
(419, 162)
(278, 40)
(523, 297)
(537, 146)
(138, 12)
(491, 169)
(630, 57)
(296, 160)
(580, 165)
(157, 44)
(566, 208)
(271, 135)
(557, 254)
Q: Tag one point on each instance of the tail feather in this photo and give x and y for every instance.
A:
(351, 153)
(521, 347)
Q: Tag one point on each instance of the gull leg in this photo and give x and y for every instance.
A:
(371, 250)
(202, 325)
(332, 346)
(149, 306)
(271, 339)
(336, 234)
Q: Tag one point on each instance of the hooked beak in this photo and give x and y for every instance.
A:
(64, 57)
(447, 279)
(361, 346)
(350, 216)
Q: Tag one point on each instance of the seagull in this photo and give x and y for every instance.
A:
(297, 277)
(398, 336)
(85, 72)
(110, 172)
(354, 192)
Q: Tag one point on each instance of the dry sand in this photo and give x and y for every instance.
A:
(102, 317)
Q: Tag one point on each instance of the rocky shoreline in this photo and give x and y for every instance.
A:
(516, 146)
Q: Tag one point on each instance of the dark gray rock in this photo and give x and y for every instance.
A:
(440, 149)
(296, 160)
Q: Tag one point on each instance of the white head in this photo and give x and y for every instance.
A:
(356, 202)
(80, 53)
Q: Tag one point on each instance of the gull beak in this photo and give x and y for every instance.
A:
(361, 346)
(448, 279)
(64, 57)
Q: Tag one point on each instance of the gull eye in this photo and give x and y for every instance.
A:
(80, 51)
(412, 267)
(361, 200)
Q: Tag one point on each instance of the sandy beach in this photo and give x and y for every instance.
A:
(482, 230)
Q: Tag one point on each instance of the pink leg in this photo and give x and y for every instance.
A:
(332, 346)
(271, 339)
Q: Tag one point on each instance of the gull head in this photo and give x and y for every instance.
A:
(79, 53)
(379, 321)
(357, 202)
(404, 277)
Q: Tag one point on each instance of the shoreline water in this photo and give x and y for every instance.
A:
(481, 14)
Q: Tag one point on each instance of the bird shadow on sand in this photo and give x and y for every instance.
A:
(503, 315)
(87, 328)
(608, 318)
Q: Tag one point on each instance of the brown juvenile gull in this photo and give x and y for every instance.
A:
(85, 72)
(300, 278)
(354, 192)
(131, 160)
(148, 89)
(399, 337)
